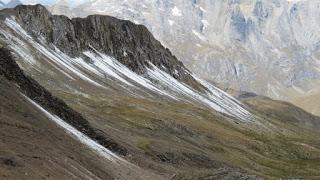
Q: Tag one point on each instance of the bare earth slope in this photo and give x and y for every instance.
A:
(32, 147)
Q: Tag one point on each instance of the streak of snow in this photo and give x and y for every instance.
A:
(113, 67)
(231, 104)
(101, 66)
(175, 85)
(55, 56)
(16, 27)
(201, 37)
(102, 151)
(216, 99)
(202, 9)
(19, 47)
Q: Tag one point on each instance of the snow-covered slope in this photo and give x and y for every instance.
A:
(97, 67)
(267, 47)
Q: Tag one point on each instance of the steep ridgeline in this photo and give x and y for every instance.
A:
(100, 48)
(133, 45)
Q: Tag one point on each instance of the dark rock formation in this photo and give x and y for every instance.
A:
(133, 45)
(10, 70)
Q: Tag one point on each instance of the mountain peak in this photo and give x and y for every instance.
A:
(133, 45)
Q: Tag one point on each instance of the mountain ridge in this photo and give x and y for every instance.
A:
(137, 34)
(265, 47)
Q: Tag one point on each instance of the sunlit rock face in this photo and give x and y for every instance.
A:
(262, 46)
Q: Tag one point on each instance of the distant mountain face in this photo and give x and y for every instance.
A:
(11, 4)
(1, 4)
(61, 7)
(267, 47)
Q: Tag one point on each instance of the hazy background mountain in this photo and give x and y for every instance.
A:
(13, 3)
(9, 4)
(1, 4)
(262, 46)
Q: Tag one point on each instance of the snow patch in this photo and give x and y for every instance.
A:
(114, 68)
(202, 9)
(176, 11)
(205, 23)
(215, 98)
(170, 22)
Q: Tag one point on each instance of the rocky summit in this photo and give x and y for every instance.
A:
(101, 98)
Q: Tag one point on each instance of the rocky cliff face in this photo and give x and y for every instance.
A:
(133, 45)
(267, 47)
